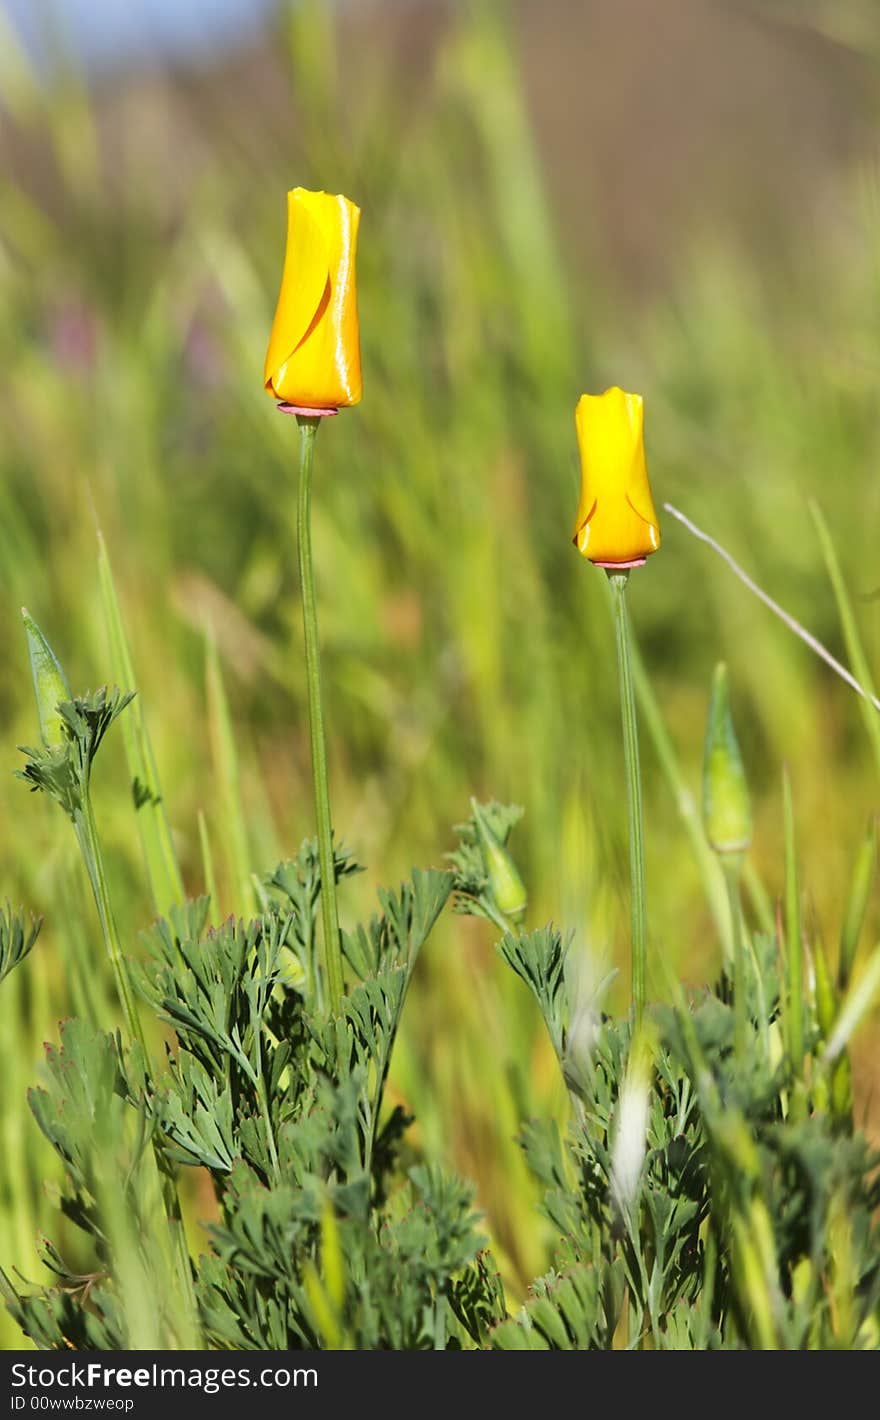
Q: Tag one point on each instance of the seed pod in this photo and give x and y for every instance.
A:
(727, 813)
(505, 884)
(50, 683)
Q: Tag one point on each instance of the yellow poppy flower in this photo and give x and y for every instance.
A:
(616, 520)
(314, 358)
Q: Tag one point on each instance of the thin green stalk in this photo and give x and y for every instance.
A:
(87, 835)
(760, 1000)
(224, 754)
(208, 875)
(163, 869)
(330, 916)
(635, 814)
(854, 647)
(705, 859)
(732, 865)
(20, 1224)
(793, 944)
(759, 899)
(857, 903)
(501, 922)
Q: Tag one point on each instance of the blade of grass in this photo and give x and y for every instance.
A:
(858, 1002)
(163, 870)
(807, 637)
(208, 875)
(854, 647)
(707, 863)
(759, 897)
(226, 766)
(857, 905)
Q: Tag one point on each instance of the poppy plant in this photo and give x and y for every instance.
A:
(313, 368)
(617, 528)
(314, 361)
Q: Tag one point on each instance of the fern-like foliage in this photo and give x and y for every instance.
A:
(17, 937)
(282, 1106)
(746, 1189)
(62, 771)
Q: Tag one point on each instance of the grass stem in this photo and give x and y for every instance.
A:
(87, 835)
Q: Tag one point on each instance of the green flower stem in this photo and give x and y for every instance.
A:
(332, 953)
(635, 814)
(87, 835)
(501, 922)
(732, 865)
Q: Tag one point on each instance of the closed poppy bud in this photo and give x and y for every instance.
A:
(314, 358)
(50, 683)
(727, 812)
(505, 884)
(616, 521)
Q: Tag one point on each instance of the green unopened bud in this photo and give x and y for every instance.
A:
(50, 682)
(505, 884)
(727, 812)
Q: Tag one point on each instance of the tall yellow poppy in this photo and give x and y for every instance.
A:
(314, 358)
(616, 520)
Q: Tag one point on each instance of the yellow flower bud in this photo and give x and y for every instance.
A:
(314, 358)
(616, 521)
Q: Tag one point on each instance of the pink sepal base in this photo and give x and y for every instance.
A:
(284, 408)
(621, 566)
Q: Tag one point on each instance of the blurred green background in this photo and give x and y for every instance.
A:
(556, 196)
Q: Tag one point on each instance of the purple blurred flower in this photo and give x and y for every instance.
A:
(73, 336)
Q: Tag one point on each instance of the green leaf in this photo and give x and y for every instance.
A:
(63, 770)
(17, 937)
(566, 1312)
(857, 902)
(539, 958)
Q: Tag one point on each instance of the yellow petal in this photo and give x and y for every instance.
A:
(304, 284)
(314, 348)
(616, 520)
